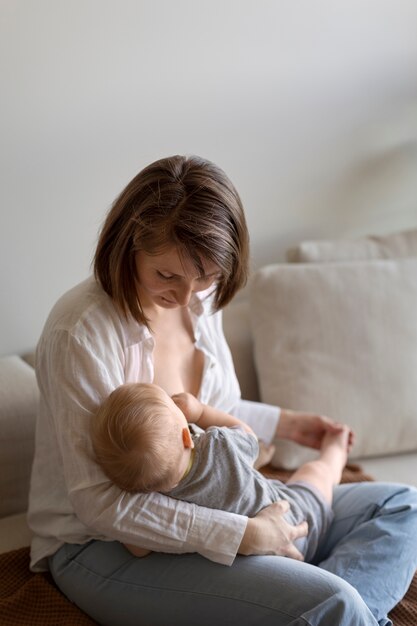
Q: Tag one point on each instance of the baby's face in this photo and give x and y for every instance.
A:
(185, 442)
(174, 411)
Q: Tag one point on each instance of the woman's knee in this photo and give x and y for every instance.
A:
(350, 608)
(317, 597)
(407, 494)
(364, 499)
(340, 604)
(401, 501)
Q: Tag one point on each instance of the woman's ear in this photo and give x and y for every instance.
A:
(186, 438)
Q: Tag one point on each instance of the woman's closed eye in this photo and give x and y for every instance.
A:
(164, 276)
(201, 279)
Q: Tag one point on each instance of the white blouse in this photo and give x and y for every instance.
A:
(86, 350)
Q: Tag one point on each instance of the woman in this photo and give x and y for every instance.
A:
(173, 251)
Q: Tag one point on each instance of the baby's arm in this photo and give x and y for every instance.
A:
(204, 415)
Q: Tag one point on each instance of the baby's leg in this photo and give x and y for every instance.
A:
(326, 471)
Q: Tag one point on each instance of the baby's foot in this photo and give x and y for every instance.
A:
(266, 452)
(339, 439)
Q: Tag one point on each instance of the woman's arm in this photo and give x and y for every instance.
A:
(262, 418)
(71, 486)
(307, 429)
(269, 423)
(267, 533)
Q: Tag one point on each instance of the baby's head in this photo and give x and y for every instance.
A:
(141, 438)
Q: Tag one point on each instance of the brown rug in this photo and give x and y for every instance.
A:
(28, 599)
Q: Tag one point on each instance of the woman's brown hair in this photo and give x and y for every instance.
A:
(186, 202)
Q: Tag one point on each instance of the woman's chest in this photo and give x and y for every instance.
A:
(178, 364)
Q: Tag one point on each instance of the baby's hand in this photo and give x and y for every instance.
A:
(189, 405)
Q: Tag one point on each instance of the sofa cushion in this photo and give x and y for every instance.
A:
(396, 245)
(236, 325)
(18, 405)
(340, 339)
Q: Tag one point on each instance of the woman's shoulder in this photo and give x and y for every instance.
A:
(77, 303)
(86, 310)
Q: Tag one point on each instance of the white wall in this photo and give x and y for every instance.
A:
(309, 105)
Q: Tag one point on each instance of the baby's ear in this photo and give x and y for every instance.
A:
(187, 439)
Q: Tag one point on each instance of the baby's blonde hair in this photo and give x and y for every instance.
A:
(134, 441)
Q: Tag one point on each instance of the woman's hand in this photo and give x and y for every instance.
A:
(307, 429)
(269, 533)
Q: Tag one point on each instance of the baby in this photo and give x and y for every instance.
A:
(142, 440)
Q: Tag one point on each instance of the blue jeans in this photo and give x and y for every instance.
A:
(362, 569)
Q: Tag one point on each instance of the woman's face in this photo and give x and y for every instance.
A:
(167, 280)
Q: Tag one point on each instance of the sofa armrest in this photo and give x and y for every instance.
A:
(18, 407)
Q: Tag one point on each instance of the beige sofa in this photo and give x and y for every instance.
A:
(334, 330)
(392, 467)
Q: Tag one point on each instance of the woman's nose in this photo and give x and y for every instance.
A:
(183, 293)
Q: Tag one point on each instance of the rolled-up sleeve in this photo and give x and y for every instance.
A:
(160, 523)
(262, 418)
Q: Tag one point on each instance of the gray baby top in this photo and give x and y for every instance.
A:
(222, 477)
